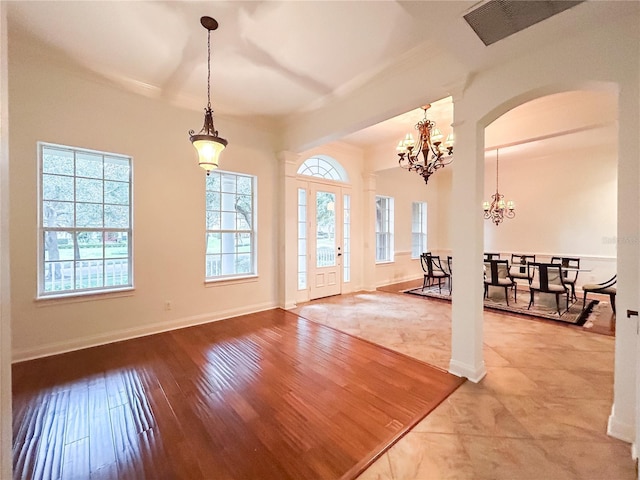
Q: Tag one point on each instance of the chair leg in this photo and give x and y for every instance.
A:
(558, 303)
(424, 283)
(515, 293)
(612, 297)
(584, 300)
(506, 295)
(486, 291)
(530, 301)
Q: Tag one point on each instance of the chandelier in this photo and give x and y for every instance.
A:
(435, 155)
(207, 142)
(497, 209)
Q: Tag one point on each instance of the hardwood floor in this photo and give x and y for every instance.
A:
(263, 396)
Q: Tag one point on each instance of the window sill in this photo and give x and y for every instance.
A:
(219, 282)
(385, 262)
(77, 297)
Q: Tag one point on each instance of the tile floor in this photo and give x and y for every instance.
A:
(540, 413)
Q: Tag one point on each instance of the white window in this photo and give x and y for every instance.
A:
(346, 240)
(84, 221)
(325, 167)
(418, 229)
(302, 239)
(231, 233)
(384, 229)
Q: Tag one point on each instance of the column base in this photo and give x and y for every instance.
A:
(473, 373)
(619, 429)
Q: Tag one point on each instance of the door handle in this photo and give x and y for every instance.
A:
(341, 255)
(632, 313)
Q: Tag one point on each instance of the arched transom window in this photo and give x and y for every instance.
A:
(325, 167)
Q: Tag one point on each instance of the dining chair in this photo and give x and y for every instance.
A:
(570, 275)
(450, 272)
(491, 256)
(497, 275)
(547, 278)
(518, 269)
(606, 288)
(433, 271)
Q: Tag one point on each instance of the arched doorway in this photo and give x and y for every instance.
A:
(324, 228)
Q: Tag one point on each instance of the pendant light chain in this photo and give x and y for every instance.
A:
(209, 69)
(497, 166)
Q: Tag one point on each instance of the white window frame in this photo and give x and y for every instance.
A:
(418, 229)
(302, 239)
(74, 230)
(384, 230)
(250, 232)
(346, 238)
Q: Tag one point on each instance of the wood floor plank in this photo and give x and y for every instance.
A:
(268, 395)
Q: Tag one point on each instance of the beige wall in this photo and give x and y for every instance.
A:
(53, 104)
(405, 188)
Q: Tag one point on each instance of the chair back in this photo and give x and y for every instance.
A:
(496, 270)
(567, 262)
(430, 263)
(491, 256)
(521, 262)
(450, 264)
(546, 277)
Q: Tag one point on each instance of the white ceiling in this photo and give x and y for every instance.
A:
(275, 59)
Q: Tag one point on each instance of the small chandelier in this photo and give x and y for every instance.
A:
(497, 210)
(207, 142)
(435, 155)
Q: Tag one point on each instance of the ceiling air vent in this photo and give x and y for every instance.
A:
(497, 19)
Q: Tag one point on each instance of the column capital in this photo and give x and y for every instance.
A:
(288, 162)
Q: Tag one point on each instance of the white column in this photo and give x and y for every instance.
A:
(288, 228)
(467, 240)
(622, 421)
(5, 307)
(369, 224)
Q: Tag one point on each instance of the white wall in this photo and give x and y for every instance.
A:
(54, 104)
(566, 204)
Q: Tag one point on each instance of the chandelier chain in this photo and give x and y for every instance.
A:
(497, 167)
(208, 69)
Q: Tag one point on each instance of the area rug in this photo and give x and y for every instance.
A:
(544, 304)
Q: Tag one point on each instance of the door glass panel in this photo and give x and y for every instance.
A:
(325, 229)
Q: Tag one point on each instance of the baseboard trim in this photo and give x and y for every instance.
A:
(130, 333)
(621, 430)
(472, 373)
(406, 278)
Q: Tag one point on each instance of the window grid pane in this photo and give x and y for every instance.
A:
(346, 241)
(74, 241)
(230, 220)
(384, 229)
(323, 168)
(302, 239)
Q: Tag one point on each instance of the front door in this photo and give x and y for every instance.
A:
(325, 242)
